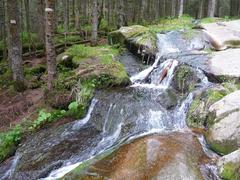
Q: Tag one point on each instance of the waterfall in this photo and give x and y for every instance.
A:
(132, 113)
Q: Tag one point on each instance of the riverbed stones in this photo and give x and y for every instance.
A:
(224, 117)
(229, 166)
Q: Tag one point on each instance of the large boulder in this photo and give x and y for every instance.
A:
(225, 65)
(223, 35)
(224, 118)
(199, 109)
(138, 39)
(175, 156)
(229, 166)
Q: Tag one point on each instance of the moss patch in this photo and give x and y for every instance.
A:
(231, 171)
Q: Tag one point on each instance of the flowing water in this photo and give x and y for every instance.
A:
(147, 114)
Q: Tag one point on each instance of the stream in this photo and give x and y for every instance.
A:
(136, 132)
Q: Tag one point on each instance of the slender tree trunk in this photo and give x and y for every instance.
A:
(26, 3)
(181, 4)
(121, 14)
(173, 8)
(65, 6)
(201, 9)
(94, 23)
(41, 20)
(14, 43)
(77, 15)
(3, 27)
(211, 8)
(50, 48)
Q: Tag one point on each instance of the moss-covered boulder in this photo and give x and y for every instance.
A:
(224, 133)
(229, 166)
(198, 111)
(185, 79)
(139, 40)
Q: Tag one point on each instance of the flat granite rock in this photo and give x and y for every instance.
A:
(225, 63)
(225, 34)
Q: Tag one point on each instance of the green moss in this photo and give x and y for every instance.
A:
(81, 52)
(220, 148)
(214, 96)
(195, 118)
(9, 142)
(231, 171)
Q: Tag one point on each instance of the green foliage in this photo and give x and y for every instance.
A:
(9, 142)
(35, 71)
(231, 171)
(81, 52)
(46, 117)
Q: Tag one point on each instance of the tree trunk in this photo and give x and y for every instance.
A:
(173, 6)
(94, 23)
(181, 3)
(201, 9)
(66, 18)
(50, 48)
(77, 15)
(211, 8)
(26, 3)
(41, 20)
(3, 27)
(120, 22)
(14, 43)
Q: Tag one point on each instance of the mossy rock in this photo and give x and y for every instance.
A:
(199, 109)
(185, 79)
(231, 171)
(140, 40)
(229, 166)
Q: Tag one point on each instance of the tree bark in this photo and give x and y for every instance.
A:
(181, 3)
(66, 18)
(14, 43)
(77, 15)
(94, 23)
(50, 48)
(201, 9)
(211, 8)
(173, 8)
(121, 15)
(41, 20)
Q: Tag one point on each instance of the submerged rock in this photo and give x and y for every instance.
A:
(224, 133)
(229, 166)
(172, 156)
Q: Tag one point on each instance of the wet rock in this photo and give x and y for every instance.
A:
(173, 156)
(168, 99)
(49, 149)
(224, 132)
(229, 166)
(185, 79)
